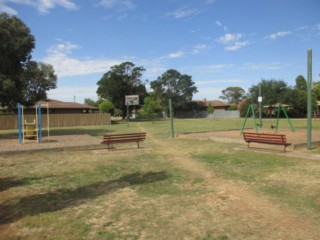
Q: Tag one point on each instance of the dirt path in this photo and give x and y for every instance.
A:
(238, 202)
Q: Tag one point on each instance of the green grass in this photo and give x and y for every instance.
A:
(150, 193)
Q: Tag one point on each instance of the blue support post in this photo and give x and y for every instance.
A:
(39, 123)
(19, 123)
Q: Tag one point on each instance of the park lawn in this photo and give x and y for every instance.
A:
(170, 189)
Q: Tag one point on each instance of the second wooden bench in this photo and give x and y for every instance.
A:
(110, 139)
(266, 138)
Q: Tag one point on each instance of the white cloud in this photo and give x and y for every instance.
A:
(263, 66)
(184, 13)
(67, 66)
(119, 4)
(229, 37)
(232, 41)
(277, 35)
(198, 48)
(218, 23)
(209, 1)
(174, 55)
(7, 9)
(237, 45)
(69, 94)
(209, 93)
(43, 6)
(212, 68)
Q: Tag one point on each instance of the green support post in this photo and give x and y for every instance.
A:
(245, 120)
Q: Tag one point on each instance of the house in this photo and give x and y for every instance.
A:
(216, 104)
(59, 107)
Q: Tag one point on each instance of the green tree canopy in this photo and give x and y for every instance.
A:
(298, 96)
(106, 107)
(151, 107)
(316, 90)
(21, 80)
(301, 83)
(233, 94)
(91, 102)
(123, 79)
(210, 109)
(38, 78)
(273, 91)
(175, 86)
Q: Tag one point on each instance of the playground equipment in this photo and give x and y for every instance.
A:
(279, 108)
(31, 130)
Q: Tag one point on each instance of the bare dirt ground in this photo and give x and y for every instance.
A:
(11, 143)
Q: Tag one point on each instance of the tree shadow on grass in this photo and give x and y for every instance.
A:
(10, 182)
(60, 199)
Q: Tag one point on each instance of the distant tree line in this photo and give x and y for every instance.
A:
(125, 79)
(274, 92)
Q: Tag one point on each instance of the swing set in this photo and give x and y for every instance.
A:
(256, 125)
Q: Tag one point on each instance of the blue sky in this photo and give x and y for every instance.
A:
(220, 43)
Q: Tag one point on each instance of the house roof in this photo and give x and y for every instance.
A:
(214, 103)
(55, 104)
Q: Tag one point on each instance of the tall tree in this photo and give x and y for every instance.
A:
(233, 94)
(299, 95)
(38, 78)
(91, 102)
(21, 80)
(301, 83)
(150, 108)
(123, 79)
(16, 44)
(175, 86)
(316, 90)
(273, 91)
(106, 107)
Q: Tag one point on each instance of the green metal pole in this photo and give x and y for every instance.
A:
(309, 106)
(171, 119)
(245, 120)
(285, 113)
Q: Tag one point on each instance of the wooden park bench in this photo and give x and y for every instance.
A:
(111, 139)
(266, 138)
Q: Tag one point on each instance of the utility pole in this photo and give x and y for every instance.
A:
(309, 106)
(260, 106)
(171, 119)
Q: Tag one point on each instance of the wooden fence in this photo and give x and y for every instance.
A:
(8, 122)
